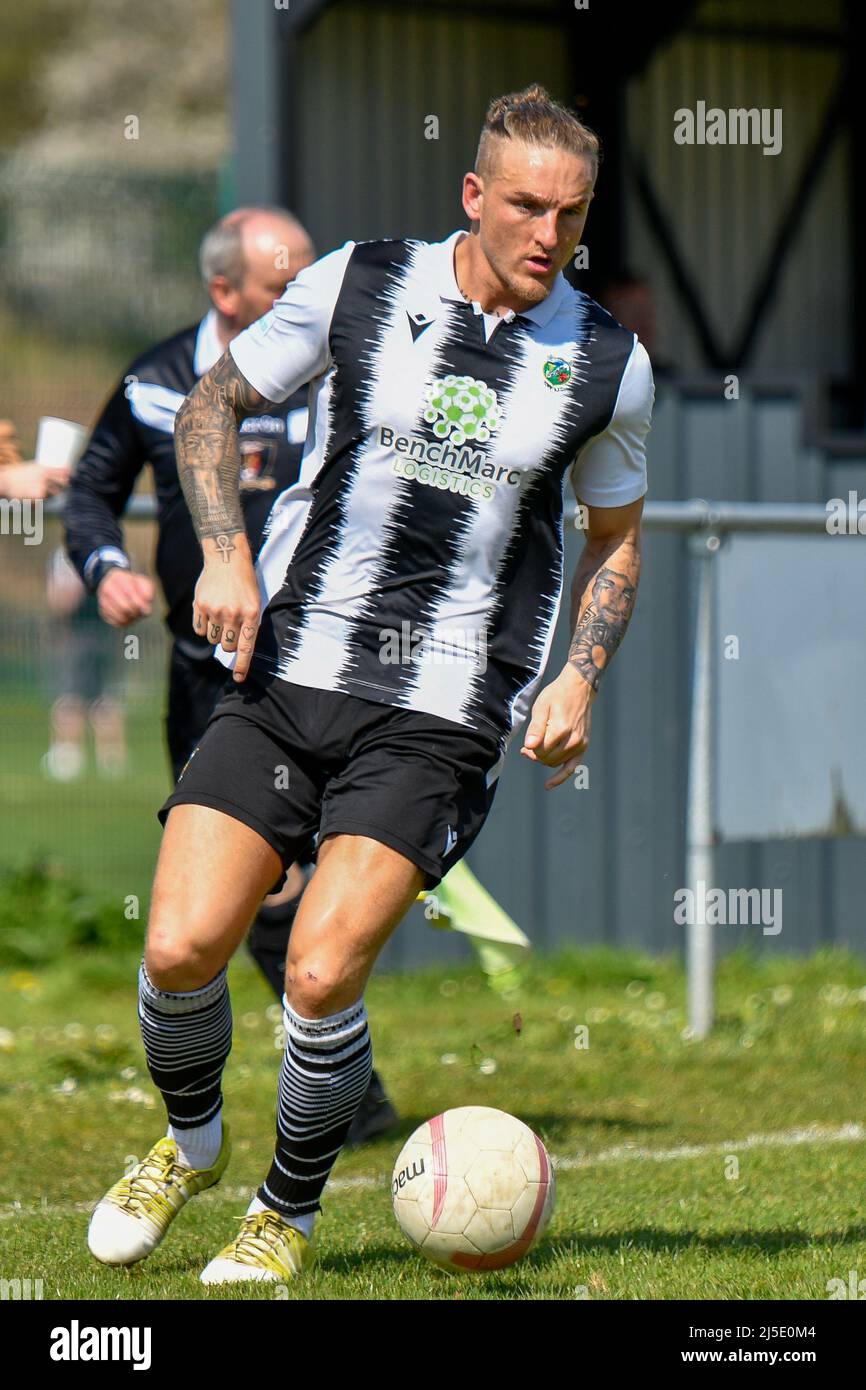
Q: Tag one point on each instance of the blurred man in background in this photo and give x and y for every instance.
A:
(246, 261)
(84, 672)
(80, 658)
(631, 300)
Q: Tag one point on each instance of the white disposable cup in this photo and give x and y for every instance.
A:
(59, 443)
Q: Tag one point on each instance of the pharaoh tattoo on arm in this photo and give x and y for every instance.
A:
(208, 451)
(602, 625)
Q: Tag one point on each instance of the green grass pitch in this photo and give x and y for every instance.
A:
(733, 1168)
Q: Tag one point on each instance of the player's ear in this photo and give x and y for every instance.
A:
(473, 193)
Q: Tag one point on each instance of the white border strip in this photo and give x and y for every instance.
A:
(623, 1153)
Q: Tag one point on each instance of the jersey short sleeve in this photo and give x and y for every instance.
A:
(610, 469)
(288, 346)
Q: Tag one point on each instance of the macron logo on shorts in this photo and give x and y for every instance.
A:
(450, 841)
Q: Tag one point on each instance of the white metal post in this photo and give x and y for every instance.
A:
(699, 813)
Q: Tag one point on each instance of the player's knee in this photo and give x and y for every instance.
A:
(314, 988)
(176, 962)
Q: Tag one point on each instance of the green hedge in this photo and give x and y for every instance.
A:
(45, 914)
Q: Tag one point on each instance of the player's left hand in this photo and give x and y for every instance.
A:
(558, 732)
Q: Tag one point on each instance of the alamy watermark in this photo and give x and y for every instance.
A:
(855, 1287)
(77, 1343)
(846, 518)
(720, 907)
(20, 1289)
(408, 646)
(712, 125)
(22, 517)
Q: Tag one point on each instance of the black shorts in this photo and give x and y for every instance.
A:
(296, 764)
(195, 687)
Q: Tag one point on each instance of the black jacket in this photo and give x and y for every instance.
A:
(136, 428)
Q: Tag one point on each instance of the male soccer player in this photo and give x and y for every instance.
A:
(454, 387)
(245, 261)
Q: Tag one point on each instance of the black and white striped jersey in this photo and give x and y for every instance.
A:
(417, 561)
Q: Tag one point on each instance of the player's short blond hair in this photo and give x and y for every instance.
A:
(533, 117)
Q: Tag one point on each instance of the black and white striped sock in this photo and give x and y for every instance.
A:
(323, 1079)
(187, 1038)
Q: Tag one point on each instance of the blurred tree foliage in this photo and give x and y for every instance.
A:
(29, 35)
(71, 74)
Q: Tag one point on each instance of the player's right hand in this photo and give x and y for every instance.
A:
(123, 597)
(227, 605)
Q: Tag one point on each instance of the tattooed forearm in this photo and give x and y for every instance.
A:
(605, 617)
(208, 453)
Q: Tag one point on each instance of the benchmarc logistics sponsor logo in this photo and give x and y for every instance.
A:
(462, 469)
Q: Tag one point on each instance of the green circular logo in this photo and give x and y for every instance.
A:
(557, 373)
(462, 409)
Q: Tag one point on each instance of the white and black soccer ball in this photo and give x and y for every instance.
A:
(473, 1189)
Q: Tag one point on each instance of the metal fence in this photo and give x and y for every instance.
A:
(559, 862)
(567, 866)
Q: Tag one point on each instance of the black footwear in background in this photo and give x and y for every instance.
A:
(268, 943)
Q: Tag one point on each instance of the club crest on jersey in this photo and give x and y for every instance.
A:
(462, 409)
(557, 373)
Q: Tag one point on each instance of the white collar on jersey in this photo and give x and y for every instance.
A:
(208, 348)
(541, 313)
